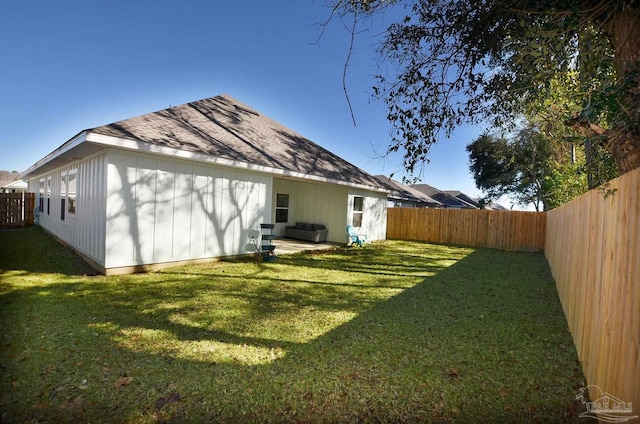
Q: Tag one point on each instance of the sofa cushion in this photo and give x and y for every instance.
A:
(311, 232)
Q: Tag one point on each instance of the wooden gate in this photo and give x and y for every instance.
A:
(16, 209)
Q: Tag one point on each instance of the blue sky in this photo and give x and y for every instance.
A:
(71, 65)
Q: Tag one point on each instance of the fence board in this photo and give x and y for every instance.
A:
(16, 209)
(592, 245)
(593, 249)
(29, 208)
(507, 230)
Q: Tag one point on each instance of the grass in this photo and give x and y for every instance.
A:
(395, 332)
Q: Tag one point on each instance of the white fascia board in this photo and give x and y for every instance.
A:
(74, 142)
(128, 144)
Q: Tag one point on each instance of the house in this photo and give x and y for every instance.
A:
(463, 197)
(475, 202)
(447, 200)
(404, 196)
(195, 182)
(17, 186)
(493, 206)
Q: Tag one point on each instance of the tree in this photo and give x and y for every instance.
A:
(519, 167)
(567, 166)
(469, 62)
(9, 176)
(576, 158)
(530, 167)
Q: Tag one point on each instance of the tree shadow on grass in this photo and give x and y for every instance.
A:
(481, 340)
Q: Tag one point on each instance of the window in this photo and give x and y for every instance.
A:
(68, 184)
(71, 190)
(41, 196)
(358, 207)
(63, 195)
(48, 195)
(282, 207)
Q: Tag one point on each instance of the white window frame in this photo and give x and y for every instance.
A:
(63, 195)
(358, 211)
(48, 190)
(41, 195)
(283, 208)
(71, 195)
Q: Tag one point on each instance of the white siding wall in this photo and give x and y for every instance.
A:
(136, 209)
(332, 205)
(162, 210)
(374, 215)
(84, 230)
(314, 203)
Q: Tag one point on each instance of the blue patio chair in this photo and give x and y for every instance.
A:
(355, 238)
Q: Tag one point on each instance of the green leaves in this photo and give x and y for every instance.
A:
(456, 62)
(518, 167)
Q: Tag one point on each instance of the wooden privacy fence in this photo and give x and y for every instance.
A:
(592, 245)
(507, 230)
(16, 209)
(593, 249)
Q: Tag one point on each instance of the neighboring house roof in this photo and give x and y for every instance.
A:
(495, 207)
(405, 193)
(463, 197)
(220, 130)
(445, 199)
(15, 185)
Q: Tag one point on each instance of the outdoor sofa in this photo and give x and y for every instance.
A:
(316, 233)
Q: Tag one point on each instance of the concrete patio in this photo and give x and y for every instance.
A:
(285, 246)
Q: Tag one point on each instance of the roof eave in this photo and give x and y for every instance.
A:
(137, 145)
(60, 151)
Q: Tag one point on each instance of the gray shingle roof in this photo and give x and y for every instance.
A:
(446, 199)
(461, 196)
(406, 193)
(226, 128)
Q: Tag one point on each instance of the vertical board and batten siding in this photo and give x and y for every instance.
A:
(163, 210)
(83, 230)
(90, 209)
(593, 249)
(319, 203)
(313, 203)
(507, 230)
(374, 215)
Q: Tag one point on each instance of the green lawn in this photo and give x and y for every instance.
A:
(395, 332)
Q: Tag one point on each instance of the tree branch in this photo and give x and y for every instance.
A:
(352, 32)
